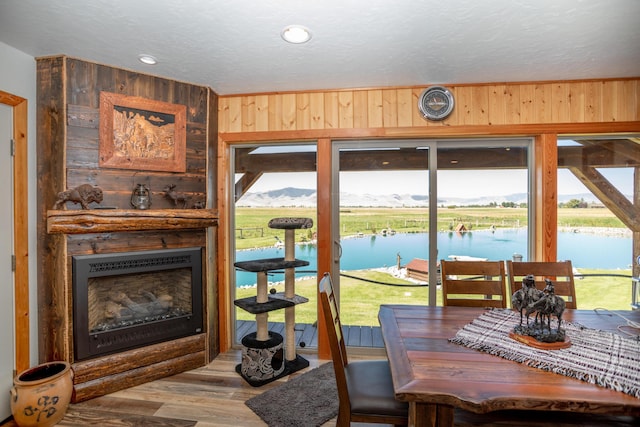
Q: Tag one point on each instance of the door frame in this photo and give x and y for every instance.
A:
(20, 229)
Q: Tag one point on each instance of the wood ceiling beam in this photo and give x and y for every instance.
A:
(628, 149)
(277, 162)
(245, 183)
(609, 195)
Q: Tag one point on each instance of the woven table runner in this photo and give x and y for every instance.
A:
(595, 356)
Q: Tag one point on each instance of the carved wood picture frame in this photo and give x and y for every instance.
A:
(142, 134)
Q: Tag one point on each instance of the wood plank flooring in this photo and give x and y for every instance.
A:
(214, 395)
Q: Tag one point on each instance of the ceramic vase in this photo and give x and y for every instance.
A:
(40, 395)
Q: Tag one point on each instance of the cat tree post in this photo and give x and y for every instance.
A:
(289, 292)
(262, 333)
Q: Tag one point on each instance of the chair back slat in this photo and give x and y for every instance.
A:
(559, 272)
(333, 325)
(474, 283)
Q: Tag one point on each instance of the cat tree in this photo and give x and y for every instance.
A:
(263, 356)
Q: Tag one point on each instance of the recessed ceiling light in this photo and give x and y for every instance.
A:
(296, 34)
(147, 59)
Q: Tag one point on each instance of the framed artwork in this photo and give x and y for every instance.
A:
(143, 134)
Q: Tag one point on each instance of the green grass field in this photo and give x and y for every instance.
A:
(360, 300)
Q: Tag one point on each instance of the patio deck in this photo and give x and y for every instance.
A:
(354, 336)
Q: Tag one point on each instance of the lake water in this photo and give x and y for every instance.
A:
(583, 249)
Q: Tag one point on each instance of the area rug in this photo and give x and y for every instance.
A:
(595, 356)
(310, 399)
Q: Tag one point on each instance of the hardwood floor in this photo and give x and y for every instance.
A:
(214, 395)
(210, 396)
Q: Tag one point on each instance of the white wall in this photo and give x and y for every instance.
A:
(18, 77)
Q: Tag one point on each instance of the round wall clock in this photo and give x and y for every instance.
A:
(435, 103)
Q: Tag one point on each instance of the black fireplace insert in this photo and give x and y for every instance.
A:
(128, 300)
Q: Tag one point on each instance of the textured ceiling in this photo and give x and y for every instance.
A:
(235, 46)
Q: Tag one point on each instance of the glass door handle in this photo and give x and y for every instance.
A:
(339, 251)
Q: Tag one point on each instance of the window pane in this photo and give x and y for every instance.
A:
(274, 181)
(384, 222)
(595, 174)
(483, 200)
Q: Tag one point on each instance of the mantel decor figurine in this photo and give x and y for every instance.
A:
(543, 304)
(82, 194)
(183, 200)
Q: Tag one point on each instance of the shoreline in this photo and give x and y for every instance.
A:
(600, 231)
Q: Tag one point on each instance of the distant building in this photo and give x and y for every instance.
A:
(418, 269)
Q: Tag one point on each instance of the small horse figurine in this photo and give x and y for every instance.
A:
(550, 305)
(523, 298)
(544, 303)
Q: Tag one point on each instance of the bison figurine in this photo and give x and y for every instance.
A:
(83, 194)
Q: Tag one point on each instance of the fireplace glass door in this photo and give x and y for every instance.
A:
(127, 300)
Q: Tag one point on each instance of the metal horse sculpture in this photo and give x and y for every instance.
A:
(549, 305)
(545, 304)
(522, 299)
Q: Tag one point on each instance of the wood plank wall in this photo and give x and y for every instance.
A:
(84, 83)
(68, 143)
(538, 109)
(479, 104)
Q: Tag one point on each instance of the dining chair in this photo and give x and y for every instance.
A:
(365, 387)
(559, 272)
(474, 283)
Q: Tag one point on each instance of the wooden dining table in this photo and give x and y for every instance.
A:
(435, 375)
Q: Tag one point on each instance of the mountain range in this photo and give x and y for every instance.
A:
(304, 197)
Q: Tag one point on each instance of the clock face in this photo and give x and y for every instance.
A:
(436, 103)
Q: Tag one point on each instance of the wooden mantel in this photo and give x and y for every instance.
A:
(116, 220)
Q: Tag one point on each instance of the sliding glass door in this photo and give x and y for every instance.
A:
(404, 205)
(383, 213)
